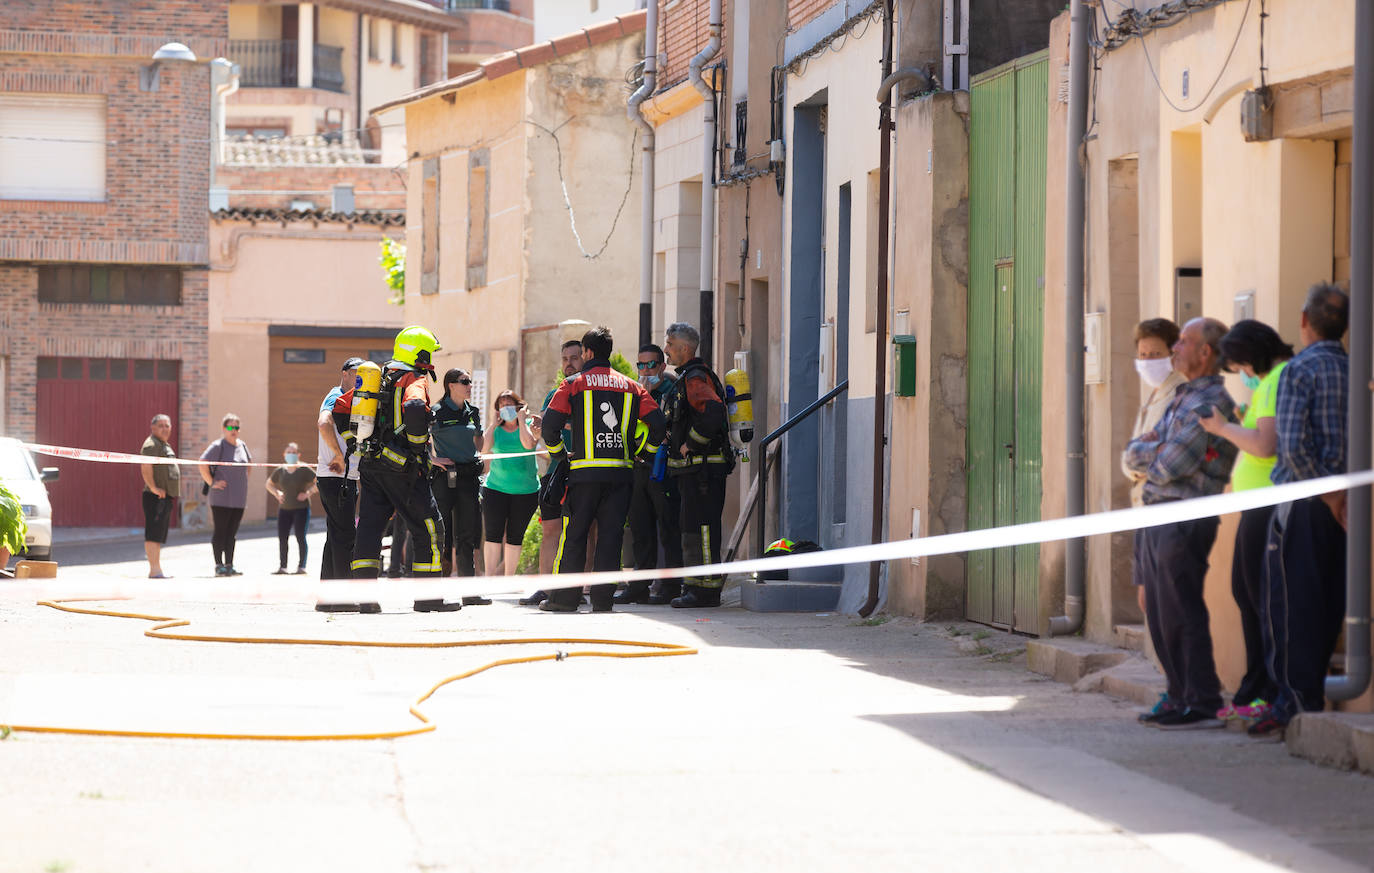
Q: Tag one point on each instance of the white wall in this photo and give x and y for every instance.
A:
(554, 18)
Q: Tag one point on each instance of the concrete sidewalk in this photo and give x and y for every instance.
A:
(790, 742)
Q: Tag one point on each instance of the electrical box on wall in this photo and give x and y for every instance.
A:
(1244, 306)
(904, 350)
(1092, 349)
(1257, 115)
(1187, 294)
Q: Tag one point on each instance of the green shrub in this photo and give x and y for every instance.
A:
(12, 524)
(529, 548)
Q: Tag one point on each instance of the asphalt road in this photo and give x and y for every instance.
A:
(788, 743)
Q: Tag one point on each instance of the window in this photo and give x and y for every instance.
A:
(478, 211)
(52, 147)
(379, 356)
(109, 283)
(395, 44)
(374, 38)
(241, 132)
(302, 356)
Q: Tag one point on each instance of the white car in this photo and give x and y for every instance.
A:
(21, 476)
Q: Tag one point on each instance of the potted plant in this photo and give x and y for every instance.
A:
(12, 526)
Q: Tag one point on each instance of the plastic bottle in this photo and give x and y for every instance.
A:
(660, 464)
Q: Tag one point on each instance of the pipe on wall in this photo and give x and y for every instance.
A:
(646, 130)
(1357, 666)
(1074, 552)
(708, 191)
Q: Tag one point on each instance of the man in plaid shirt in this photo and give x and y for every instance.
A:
(1180, 460)
(1305, 562)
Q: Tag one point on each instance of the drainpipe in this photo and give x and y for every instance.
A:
(1074, 226)
(224, 80)
(1356, 677)
(708, 191)
(646, 242)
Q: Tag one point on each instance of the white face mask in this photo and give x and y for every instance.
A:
(1154, 370)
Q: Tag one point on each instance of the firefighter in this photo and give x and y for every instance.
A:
(394, 468)
(603, 409)
(700, 459)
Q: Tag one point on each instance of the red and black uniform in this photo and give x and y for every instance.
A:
(602, 409)
(393, 478)
(700, 458)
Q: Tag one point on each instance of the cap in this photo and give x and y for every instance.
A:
(454, 374)
(354, 363)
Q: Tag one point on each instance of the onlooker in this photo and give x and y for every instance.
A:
(293, 486)
(457, 481)
(1261, 355)
(1305, 561)
(161, 486)
(551, 514)
(1180, 460)
(227, 486)
(1154, 338)
(653, 505)
(511, 492)
(336, 478)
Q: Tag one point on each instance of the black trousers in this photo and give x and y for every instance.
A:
(654, 510)
(291, 521)
(461, 511)
(1247, 587)
(340, 499)
(406, 494)
(222, 541)
(606, 504)
(1175, 564)
(1306, 602)
(702, 492)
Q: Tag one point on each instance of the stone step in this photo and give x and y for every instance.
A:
(1068, 659)
(789, 596)
(1129, 636)
(1336, 739)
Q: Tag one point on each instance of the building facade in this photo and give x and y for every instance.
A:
(104, 177)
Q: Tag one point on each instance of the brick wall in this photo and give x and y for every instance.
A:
(682, 32)
(30, 330)
(801, 11)
(374, 186)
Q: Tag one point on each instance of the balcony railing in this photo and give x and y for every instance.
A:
(272, 63)
(499, 5)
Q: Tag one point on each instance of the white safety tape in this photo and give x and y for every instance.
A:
(104, 457)
(450, 588)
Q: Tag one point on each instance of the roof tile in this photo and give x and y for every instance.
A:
(501, 65)
(632, 22)
(534, 55)
(603, 31)
(571, 42)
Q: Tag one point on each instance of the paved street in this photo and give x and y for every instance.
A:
(790, 742)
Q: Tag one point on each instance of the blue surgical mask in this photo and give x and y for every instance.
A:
(650, 381)
(292, 458)
(509, 413)
(1251, 382)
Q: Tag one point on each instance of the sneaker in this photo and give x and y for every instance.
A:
(230, 571)
(280, 571)
(1255, 710)
(476, 600)
(535, 599)
(221, 570)
(1227, 713)
(439, 605)
(1187, 719)
(1269, 726)
(1161, 708)
(363, 608)
(551, 606)
(300, 571)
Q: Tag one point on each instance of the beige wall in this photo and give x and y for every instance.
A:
(930, 281)
(383, 81)
(325, 276)
(677, 216)
(1257, 217)
(254, 22)
(485, 115)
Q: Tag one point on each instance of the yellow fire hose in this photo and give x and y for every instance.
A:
(163, 630)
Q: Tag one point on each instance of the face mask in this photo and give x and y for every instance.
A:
(1251, 382)
(650, 381)
(292, 458)
(509, 413)
(1154, 370)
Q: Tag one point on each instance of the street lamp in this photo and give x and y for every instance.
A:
(149, 77)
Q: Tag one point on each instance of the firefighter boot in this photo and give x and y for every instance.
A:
(695, 597)
(633, 592)
(665, 593)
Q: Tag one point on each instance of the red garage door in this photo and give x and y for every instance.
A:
(102, 403)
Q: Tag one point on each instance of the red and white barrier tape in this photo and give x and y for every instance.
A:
(104, 457)
(1053, 530)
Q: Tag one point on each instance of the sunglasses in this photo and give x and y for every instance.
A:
(648, 365)
(231, 427)
(460, 382)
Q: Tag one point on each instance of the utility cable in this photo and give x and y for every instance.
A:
(1217, 81)
(163, 629)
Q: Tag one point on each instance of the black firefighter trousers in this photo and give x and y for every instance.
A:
(339, 496)
(606, 504)
(407, 494)
(702, 491)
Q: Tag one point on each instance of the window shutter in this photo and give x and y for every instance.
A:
(52, 147)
